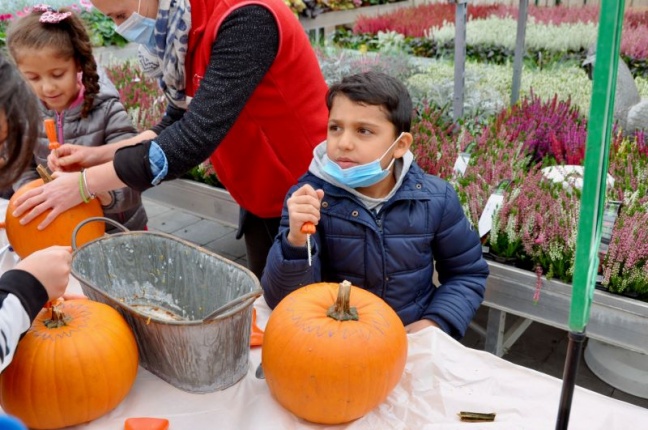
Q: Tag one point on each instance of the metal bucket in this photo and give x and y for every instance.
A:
(165, 287)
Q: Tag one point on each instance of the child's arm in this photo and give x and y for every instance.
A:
(40, 277)
(461, 269)
(120, 200)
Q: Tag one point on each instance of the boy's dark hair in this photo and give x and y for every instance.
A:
(68, 37)
(377, 89)
(20, 107)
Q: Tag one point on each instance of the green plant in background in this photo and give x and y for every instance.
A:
(101, 29)
(205, 173)
(4, 22)
(140, 94)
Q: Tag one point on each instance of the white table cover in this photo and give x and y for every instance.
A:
(442, 378)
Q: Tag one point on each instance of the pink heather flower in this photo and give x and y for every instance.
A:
(86, 4)
(538, 286)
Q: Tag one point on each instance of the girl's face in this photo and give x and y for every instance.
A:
(53, 79)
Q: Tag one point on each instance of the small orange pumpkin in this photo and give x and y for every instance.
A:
(26, 239)
(76, 363)
(333, 352)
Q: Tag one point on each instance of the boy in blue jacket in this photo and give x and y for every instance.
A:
(382, 223)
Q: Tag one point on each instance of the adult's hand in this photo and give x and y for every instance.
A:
(72, 158)
(58, 195)
(51, 266)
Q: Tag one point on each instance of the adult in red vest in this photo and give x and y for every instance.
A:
(244, 89)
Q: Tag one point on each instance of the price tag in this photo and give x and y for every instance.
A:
(492, 204)
(610, 215)
(461, 164)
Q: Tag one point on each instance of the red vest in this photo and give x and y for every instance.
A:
(271, 143)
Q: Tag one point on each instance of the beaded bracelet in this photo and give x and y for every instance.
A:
(83, 196)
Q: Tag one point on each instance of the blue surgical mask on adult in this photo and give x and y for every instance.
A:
(137, 28)
(363, 175)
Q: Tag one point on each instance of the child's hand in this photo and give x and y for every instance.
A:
(420, 325)
(303, 206)
(105, 198)
(51, 266)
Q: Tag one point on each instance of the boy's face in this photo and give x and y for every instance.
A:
(359, 134)
(53, 79)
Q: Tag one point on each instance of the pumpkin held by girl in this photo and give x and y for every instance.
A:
(26, 239)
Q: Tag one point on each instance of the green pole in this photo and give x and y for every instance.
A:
(596, 161)
(593, 198)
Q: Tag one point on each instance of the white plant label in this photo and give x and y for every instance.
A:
(461, 164)
(486, 219)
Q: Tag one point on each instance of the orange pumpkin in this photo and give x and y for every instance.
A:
(25, 239)
(326, 365)
(76, 363)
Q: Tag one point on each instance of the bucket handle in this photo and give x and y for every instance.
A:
(227, 306)
(93, 219)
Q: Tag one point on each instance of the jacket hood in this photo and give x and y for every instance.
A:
(401, 167)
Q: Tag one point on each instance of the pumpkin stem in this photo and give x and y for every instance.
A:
(341, 310)
(58, 318)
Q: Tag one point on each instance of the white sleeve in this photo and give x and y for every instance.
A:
(14, 321)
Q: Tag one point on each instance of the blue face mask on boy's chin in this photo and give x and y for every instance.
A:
(138, 29)
(363, 175)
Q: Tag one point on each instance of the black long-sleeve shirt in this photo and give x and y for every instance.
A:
(244, 49)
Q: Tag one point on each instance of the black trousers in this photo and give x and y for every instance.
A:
(259, 234)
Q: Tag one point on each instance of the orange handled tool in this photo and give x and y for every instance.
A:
(50, 130)
(146, 423)
(308, 228)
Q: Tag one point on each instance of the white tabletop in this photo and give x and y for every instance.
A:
(442, 378)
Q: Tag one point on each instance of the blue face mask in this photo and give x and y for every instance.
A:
(137, 28)
(363, 175)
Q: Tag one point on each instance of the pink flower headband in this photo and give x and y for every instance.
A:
(50, 15)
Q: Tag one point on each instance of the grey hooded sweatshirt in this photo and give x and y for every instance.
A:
(106, 123)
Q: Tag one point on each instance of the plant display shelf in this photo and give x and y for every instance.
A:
(616, 320)
(327, 21)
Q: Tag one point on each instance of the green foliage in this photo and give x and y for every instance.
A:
(101, 29)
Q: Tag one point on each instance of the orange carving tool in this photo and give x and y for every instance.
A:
(50, 130)
(308, 228)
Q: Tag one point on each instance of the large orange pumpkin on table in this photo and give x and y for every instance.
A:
(333, 352)
(26, 239)
(76, 363)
